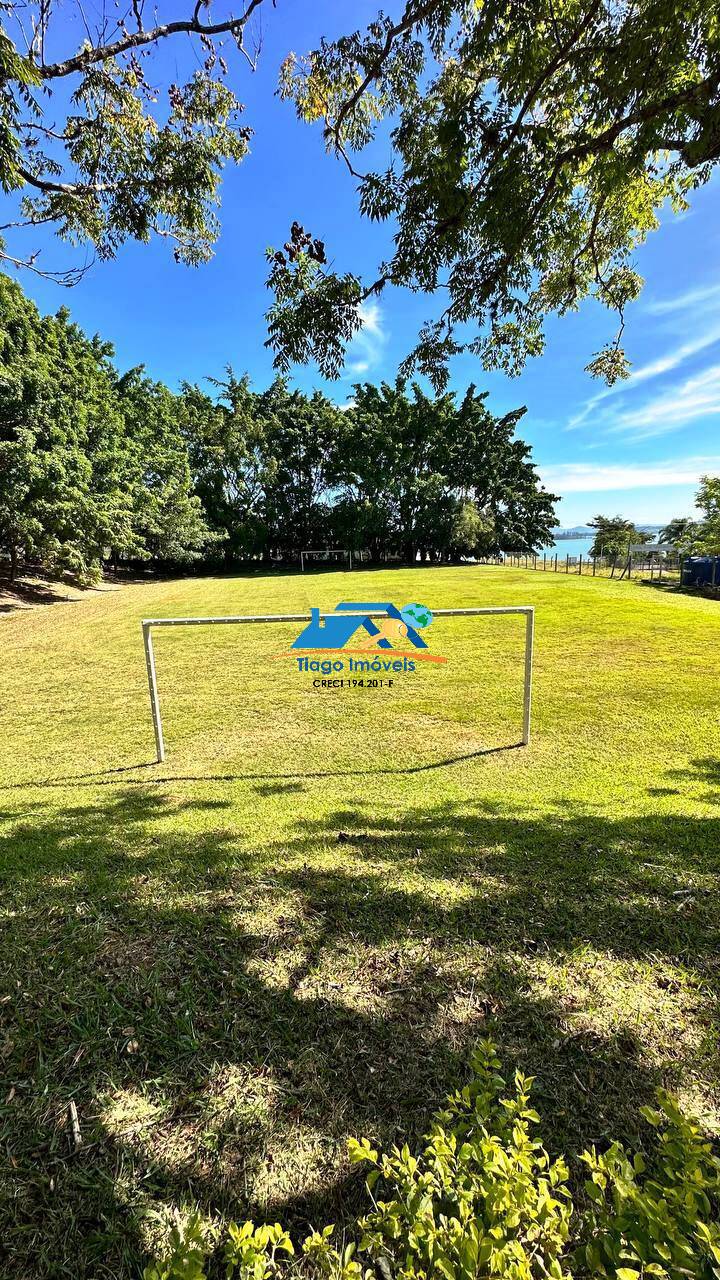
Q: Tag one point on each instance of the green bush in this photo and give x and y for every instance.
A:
(483, 1199)
(660, 1221)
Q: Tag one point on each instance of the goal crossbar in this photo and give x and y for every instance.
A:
(527, 611)
(325, 551)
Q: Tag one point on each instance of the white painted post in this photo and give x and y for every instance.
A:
(527, 699)
(152, 683)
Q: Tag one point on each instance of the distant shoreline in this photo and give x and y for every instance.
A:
(565, 535)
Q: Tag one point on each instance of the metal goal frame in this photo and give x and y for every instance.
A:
(527, 611)
(326, 551)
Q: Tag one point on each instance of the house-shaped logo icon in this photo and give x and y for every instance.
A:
(351, 621)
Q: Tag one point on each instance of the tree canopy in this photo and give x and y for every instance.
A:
(532, 145)
(528, 148)
(614, 535)
(397, 474)
(127, 160)
(682, 533)
(702, 536)
(92, 467)
(100, 467)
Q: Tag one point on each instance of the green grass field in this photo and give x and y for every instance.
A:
(293, 930)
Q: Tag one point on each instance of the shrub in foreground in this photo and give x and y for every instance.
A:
(484, 1199)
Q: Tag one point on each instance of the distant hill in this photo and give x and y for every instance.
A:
(584, 531)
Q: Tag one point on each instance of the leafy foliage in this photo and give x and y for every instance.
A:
(698, 537)
(92, 468)
(129, 160)
(532, 146)
(398, 473)
(613, 536)
(429, 475)
(484, 1199)
(253, 1250)
(681, 532)
(708, 500)
(186, 1254)
(660, 1221)
(100, 467)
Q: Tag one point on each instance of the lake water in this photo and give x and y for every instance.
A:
(569, 547)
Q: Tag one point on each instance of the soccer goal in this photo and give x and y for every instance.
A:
(525, 611)
(328, 555)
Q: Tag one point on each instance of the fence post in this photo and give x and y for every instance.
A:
(594, 559)
(580, 566)
(544, 559)
(567, 562)
(556, 558)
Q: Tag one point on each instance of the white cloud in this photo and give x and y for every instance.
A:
(671, 360)
(693, 298)
(696, 397)
(368, 346)
(371, 318)
(572, 477)
(694, 318)
(663, 364)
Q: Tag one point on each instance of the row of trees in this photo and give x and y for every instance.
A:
(95, 466)
(614, 534)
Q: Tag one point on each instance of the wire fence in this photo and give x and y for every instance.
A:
(661, 569)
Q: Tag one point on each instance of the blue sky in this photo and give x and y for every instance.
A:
(637, 449)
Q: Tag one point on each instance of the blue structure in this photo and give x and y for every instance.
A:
(333, 630)
(701, 571)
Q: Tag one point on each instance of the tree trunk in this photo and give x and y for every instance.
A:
(13, 561)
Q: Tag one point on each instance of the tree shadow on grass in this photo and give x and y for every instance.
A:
(705, 769)
(26, 595)
(224, 1019)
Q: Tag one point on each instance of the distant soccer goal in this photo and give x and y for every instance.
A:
(326, 555)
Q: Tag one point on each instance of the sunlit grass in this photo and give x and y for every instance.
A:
(292, 930)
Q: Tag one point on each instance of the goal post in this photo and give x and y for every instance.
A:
(526, 611)
(307, 554)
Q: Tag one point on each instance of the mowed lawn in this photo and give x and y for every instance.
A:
(293, 930)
